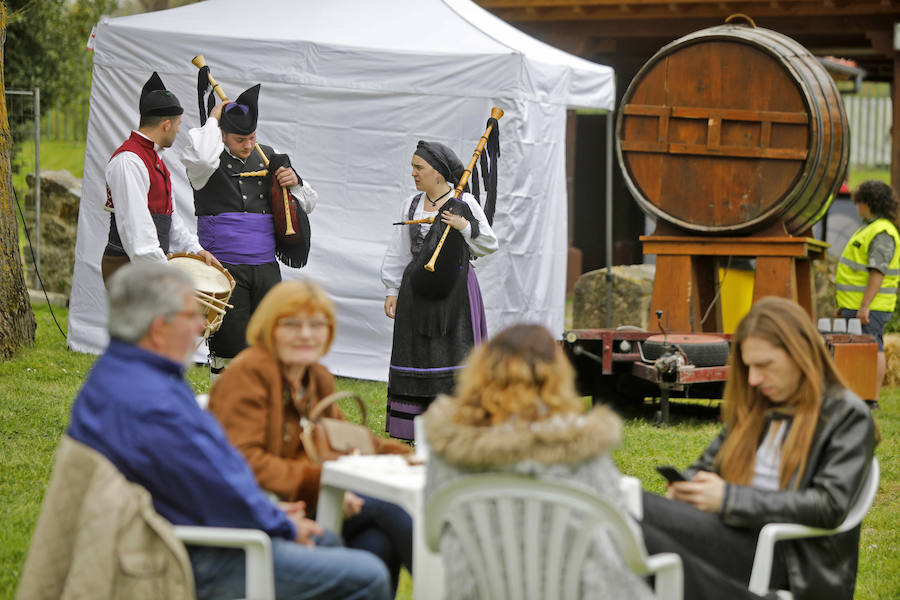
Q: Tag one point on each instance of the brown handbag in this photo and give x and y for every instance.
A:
(325, 438)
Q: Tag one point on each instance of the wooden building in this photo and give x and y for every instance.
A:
(625, 34)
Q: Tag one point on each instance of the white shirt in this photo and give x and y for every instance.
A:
(202, 155)
(399, 252)
(768, 457)
(129, 183)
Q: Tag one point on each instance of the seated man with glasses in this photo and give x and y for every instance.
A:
(137, 410)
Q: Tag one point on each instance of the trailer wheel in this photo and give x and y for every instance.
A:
(701, 350)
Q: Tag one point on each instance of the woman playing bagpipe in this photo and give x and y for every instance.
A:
(438, 312)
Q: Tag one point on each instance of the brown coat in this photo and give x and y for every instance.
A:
(253, 402)
(263, 422)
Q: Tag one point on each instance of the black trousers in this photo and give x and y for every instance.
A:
(251, 283)
(717, 558)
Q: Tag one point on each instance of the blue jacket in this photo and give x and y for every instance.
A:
(136, 409)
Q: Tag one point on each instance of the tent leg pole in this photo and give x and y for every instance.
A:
(609, 217)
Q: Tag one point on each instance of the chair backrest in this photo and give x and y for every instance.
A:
(510, 554)
(771, 533)
(864, 499)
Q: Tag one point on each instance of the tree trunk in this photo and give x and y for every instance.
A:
(17, 323)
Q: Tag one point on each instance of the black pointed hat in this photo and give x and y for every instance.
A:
(240, 116)
(156, 100)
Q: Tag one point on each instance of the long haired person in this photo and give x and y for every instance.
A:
(515, 410)
(795, 446)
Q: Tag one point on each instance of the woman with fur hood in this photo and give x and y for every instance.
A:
(516, 411)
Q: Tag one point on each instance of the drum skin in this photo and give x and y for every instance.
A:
(732, 129)
(212, 287)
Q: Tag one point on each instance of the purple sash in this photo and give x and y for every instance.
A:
(238, 238)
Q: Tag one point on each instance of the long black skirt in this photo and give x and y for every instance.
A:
(431, 340)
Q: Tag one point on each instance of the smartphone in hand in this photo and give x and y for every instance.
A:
(671, 473)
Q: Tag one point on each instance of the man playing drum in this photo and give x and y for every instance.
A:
(143, 225)
(234, 212)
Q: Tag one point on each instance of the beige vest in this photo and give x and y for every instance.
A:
(98, 537)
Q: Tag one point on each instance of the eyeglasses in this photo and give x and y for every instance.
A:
(297, 325)
(190, 315)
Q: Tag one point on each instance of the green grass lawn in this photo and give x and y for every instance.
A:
(37, 388)
(857, 176)
(39, 384)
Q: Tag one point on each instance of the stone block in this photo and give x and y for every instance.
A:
(631, 287)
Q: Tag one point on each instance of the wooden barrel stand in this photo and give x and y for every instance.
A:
(687, 277)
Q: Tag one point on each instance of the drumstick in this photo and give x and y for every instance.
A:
(202, 299)
(416, 221)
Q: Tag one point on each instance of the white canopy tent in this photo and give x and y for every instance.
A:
(348, 88)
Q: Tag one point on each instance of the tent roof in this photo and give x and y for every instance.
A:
(300, 38)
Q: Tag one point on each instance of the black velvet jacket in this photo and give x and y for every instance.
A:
(840, 457)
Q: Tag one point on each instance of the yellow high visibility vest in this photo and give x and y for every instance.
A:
(853, 270)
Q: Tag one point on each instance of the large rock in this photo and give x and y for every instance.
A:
(631, 288)
(60, 199)
(823, 273)
(57, 188)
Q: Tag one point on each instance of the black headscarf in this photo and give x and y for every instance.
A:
(156, 100)
(442, 159)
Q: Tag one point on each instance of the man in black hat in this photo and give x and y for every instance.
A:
(234, 212)
(143, 225)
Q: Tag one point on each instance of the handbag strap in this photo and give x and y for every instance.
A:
(330, 399)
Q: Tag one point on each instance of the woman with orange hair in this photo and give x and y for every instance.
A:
(515, 410)
(795, 446)
(268, 387)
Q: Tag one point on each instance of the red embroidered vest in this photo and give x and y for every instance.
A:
(159, 198)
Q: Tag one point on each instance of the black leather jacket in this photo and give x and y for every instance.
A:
(840, 457)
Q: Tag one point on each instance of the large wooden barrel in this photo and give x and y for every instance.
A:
(731, 129)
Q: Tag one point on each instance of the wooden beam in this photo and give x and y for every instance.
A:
(787, 4)
(830, 30)
(548, 10)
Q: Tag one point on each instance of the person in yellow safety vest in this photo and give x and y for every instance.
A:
(869, 270)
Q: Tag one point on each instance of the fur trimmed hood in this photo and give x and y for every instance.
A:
(562, 439)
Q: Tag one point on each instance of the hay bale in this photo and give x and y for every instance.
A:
(892, 359)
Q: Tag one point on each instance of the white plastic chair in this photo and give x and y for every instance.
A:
(522, 553)
(761, 574)
(260, 575)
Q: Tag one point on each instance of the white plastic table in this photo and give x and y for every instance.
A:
(386, 477)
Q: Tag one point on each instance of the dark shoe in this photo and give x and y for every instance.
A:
(872, 404)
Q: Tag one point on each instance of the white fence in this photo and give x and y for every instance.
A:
(870, 130)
